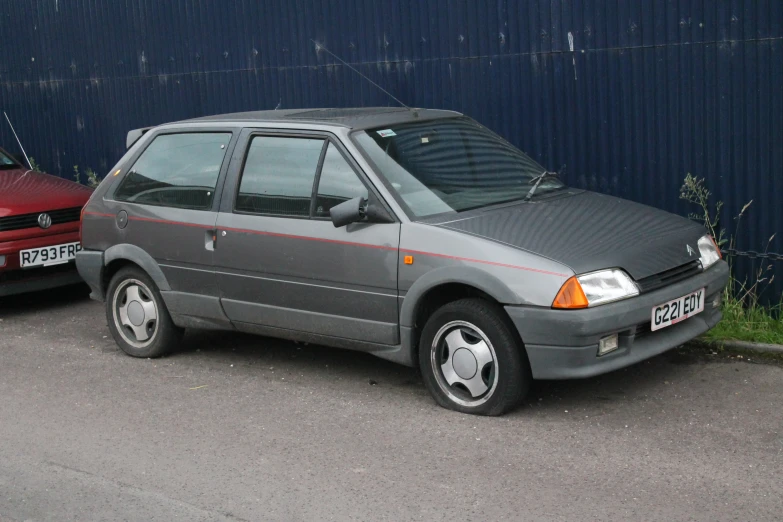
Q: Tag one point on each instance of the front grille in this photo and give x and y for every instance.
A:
(669, 277)
(65, 215)
(643, 329)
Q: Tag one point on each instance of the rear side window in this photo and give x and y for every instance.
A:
(338, 183)
(278, 176)
(176, 170)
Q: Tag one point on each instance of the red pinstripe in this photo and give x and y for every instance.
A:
(308, 238)
(167, 222)
(335, 241)
(493, 263)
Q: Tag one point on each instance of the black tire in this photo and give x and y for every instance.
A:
(507, 378)
(163, 334)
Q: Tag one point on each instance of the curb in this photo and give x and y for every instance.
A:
(745, 345)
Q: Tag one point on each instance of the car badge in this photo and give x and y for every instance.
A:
(690, 250)
(44, 220)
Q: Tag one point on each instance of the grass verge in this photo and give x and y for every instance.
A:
(744, 319)
(753, 323)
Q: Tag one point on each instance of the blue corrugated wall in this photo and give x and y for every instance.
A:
(630, 94)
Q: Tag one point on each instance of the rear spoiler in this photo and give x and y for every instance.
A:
(134, 135)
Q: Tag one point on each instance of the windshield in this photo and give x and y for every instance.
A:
(7, 162)
(451, 165)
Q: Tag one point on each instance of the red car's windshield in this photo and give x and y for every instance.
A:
(7, 162)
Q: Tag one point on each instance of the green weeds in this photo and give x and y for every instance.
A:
(92, 178)
(744, 318)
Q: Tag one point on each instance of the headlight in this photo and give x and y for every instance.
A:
(607, 286)
(595, 288)
(708, 251)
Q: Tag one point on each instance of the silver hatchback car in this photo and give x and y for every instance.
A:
(416, 235)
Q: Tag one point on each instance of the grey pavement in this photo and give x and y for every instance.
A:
(234, 427)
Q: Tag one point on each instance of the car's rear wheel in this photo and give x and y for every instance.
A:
(137, 316)
(472, 360)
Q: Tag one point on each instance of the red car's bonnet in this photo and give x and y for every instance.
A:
(22, 193)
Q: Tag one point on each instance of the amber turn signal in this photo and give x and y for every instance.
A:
(570, 295)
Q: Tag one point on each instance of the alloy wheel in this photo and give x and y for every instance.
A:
(464, 363)
(135, 313)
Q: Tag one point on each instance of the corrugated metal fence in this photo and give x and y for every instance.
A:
(631, 95)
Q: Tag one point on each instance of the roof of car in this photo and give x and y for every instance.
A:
(353, 118)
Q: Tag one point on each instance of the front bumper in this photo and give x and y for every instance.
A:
(563, 344)
(20, 281)
(16, 280)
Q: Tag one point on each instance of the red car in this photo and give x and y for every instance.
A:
(39, 228)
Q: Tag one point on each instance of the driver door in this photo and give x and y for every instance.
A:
(281, 263)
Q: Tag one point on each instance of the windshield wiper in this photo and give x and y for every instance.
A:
(541, 177)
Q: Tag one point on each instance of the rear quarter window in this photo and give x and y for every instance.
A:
(177, 170)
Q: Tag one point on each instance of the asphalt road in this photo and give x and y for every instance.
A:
(233, 427)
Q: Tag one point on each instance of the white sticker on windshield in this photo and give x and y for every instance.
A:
(387, 133)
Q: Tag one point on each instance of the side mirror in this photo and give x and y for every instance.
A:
(347, 212)
(357, 210)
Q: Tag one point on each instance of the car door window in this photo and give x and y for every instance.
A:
(177, 170)
(278, 176)
(338, 183)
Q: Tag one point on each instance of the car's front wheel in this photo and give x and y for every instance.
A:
(137, 316)
(471, 359)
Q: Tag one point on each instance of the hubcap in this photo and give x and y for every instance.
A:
(135, 312)
(464, 363)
